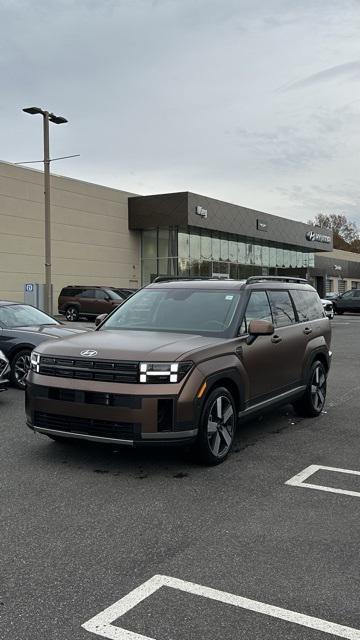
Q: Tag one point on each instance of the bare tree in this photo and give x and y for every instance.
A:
(346, 233)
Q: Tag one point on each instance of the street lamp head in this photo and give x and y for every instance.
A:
(33, 110)
(57, 119)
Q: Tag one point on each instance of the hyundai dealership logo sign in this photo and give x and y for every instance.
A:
(313, 236)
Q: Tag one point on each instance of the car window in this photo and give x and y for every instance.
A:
(87, 293)
(100, 294)
(282, 308)
(347, 294)
(22, 315)
(357, 293)
(308, 305)
(258, 308)
(177, 310)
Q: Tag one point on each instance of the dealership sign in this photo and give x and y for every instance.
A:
(314, 236)
(261, 225)
(201, 212)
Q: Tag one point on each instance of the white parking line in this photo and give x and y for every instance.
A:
(298, 480)
(102, 625)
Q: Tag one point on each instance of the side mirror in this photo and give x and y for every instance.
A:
(259, 328)
(100, 319)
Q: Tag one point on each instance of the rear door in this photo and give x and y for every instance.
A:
(87, 302)
(272, 363)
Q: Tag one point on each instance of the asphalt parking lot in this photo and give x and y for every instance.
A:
(244, 554)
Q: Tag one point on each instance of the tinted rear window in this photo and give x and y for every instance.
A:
(281, 307)
(308, 305)
(70, 292)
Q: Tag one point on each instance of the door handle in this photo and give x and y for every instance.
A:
(276, 339)
(307, 330)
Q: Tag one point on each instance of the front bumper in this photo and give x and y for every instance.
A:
(115, 413)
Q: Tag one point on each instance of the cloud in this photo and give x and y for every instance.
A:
(348, 70)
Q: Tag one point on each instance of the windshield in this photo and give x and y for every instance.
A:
(114, 294)
(177, 310)
(22, 315)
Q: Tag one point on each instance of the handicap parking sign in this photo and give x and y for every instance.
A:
(29, 287)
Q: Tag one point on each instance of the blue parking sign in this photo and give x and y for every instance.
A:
(29, 287)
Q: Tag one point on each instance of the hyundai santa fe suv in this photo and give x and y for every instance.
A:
(183, 361)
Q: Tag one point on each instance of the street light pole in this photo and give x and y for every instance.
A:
(48, 288)
(47, 117)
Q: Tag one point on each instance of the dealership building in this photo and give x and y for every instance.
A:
(104, 236)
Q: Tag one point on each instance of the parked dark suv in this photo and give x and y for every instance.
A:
(183, 361)
(75, 301)
(348, 301)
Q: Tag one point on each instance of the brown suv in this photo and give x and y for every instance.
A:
(75, 301)
(183, 361)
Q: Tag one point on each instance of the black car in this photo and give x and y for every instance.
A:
(4, 371)
(348, 301)
(23, 327)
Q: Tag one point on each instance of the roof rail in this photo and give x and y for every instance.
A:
(276, 279)
(185, 278)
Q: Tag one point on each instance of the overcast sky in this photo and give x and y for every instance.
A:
(255, 102)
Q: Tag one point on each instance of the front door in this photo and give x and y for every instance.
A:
(272, 363)
(350, 301)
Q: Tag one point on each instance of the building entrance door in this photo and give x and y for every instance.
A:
(220, 270)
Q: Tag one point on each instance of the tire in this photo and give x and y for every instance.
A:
(20, 365)
(217, 427)
(72, 314)
(339, 311)
(311, 404)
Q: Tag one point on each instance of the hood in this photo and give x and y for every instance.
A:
(130, 345)
(51, 330)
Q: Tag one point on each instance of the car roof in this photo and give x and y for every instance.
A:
(226, 284)
(4, 303)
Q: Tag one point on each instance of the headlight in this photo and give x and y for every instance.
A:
(164, 372)
(35, 361)
(3, 363)
(3, 356)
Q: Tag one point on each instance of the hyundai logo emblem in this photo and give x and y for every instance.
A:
(88, 353)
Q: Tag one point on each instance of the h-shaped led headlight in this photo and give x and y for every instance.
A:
(35, 361)
(164, 372)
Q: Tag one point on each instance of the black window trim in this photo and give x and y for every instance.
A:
(291, 324)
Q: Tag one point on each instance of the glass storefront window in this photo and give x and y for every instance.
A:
(279, 258)
(272, 257)
(206, 269)
(250, 257)
(149, 271)
(163, 243)
(215, 247)
(265, 260)
(241, 252)
(184, 267)
(183, 244)
(205, 246)
(149, 243)
(311, 260)
(232, 250)
(224, 249)
(194, 247)
(257, 254)
(286, 258)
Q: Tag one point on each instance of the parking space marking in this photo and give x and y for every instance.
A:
(101, 624)
(298, 480)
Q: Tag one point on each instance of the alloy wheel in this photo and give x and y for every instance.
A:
(71, 314)
(318, 388)
(220, 426)
(21, 368)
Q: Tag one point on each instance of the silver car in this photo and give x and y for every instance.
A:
(328, 308)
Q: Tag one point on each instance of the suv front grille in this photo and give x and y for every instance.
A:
(102, 370)
(88, 426)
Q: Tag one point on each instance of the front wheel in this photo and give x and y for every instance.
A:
(217, 427)
(339, 311)
(72, 314)
(20, 366)
(311, 404)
